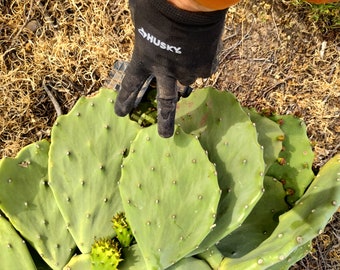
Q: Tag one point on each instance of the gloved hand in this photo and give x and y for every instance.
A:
(174, 45)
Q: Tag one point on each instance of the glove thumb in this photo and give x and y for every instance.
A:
(134, 78)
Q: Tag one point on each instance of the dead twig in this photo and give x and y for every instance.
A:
(24, 24)
(53, 99)
(225, 54)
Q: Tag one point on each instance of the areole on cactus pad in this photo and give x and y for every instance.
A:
(189, 200)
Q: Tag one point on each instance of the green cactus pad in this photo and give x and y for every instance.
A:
(211, 256)
(294, 257)
(259, 225)
(87, 148)
(269, 134)
(13, 250)
(294, 165)
(170, 195)
(190, 263)
(132, 259)
(230, 138)
(28, 202)
(79, 262)
(299, 225)
(105, 255)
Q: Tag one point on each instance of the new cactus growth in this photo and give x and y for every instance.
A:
(145, 114)
(122, 230)
(105, 255)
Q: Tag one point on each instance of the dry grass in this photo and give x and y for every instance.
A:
(274, 56)
(64, 46)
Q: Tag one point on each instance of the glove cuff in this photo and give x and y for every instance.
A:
(187, 17)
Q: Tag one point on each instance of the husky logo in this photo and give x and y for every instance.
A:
(157, 42)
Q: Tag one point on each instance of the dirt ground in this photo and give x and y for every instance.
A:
(274, 56)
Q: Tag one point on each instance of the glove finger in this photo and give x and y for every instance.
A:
(187, 80)
(134, 78)
(183, 90)
(167, 97)
(166, 86)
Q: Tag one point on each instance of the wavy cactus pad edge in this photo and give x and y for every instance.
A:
(293, 167)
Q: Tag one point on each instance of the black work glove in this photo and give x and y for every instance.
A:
(175, 46)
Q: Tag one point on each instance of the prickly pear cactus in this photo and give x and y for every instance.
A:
(259, 225)
(170, 195)
(293, 257)
(28, 202)
(122, 230)
(228, 182)
(132, 259)
(293, 167)
(230, 139)
(190, 263)
(13, 250)
(299, 225)
(105, 255)
(88, 145)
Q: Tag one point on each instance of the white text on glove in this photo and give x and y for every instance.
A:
(157, 42)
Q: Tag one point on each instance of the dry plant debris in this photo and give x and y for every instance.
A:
(274, 56)
(64, 47)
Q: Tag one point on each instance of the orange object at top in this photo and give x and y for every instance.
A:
(222, 4)
(210, 5)
(217, 4)
(322, 1)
